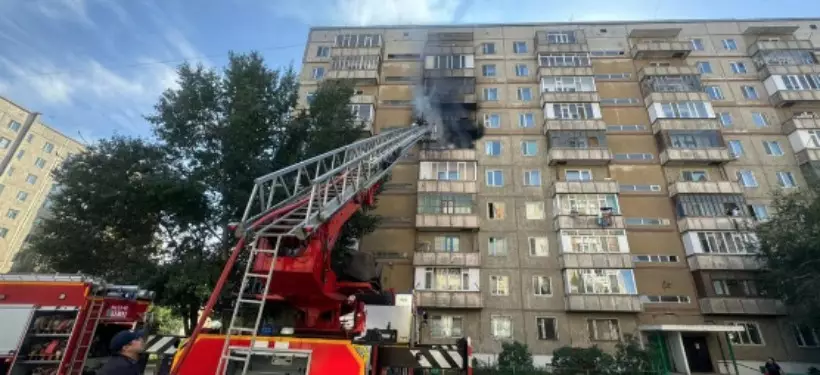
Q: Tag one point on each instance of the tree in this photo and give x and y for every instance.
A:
(515, 356)
(789, 252)
(572, 361)
(631, 359)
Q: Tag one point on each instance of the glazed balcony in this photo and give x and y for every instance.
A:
(596, 260)
(447, 259)
(561, 41)
(360, 69)
(449, 299)
(448, 155)
(801, 123)
(719, 223)
(693, 147)
(666, 71)
(723, 262)
(568, 222)
(685, 124)
(564, 64)
(603, 303)
(704, 187)
(741, 306)
(584, 187)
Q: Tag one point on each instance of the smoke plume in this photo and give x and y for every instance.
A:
(436, 103)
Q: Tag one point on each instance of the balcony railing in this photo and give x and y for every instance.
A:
(448, 259)
(584, 187)
(741, 306)
(607, 303)
(579, 156)
(661, 50)
(596, 260)
(448, 155)
(449, 300)
(786, 98)
(649, 71)
(551, 124)
(723, 262)
(447, 186)
(568, 41)
(723, 223)
(685, 124)
(801, 123)
(444, 221)
(704, 187)
(564, 222)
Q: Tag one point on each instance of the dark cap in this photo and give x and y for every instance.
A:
(124, 338)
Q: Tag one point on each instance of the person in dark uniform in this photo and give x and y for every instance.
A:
(772, 368)
(127, 346)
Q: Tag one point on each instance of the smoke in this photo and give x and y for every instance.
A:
(435, 103)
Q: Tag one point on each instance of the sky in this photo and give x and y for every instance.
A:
(93, 68)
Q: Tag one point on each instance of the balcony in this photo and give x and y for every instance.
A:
(685, 125)
(564, 64)
(360, 69)
(784, 57)
(704, 187)
(447, 259)
(448, 155)
(557, 42)
(446, 221)
(449, 299)
(608, 303)
(650, 50)
(579, 156)
(584, 187)
(801, 123)
(741, 306)
(569, 97)
(788, 98)
(574, 125)
(596, 260)
(779, 45)
(673, 96)
(649, 71)
(721, 223)
(564, 222)
(807, 155)
(447, 186)
(722, 262)
(693, 147)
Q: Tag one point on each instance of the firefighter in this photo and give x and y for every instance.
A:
(127, 347)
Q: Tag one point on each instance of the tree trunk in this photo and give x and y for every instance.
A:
(191, 319)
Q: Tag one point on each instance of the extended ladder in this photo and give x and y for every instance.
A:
(293, 202)
(86, 337)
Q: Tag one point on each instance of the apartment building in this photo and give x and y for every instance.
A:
(612, 195)
(30, 150)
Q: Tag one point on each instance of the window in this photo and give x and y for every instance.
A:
(526, 120)
(444, 326)
(704, 67)
(532, 178)
(492, 120)
(567, 84)
(603, 329)
(20, 154)
(714, 92)
(750, 335)
(323, 51)
(694, 176)
(805, 336)
(665, 299)
(814, 139)
(495, 210)
(499, 285)
(565, 59)
(560, 37)
(759, 211)
(573, 111)
(492, 148)
(495, 178)
(521, 70)
(546, 328)
(309, 97)
(12, 214)
(446, 244)
(578, 175)
(796, 82)
(684, 110)
(488, 70)
(520, 47)
(318, 72)
(497, 246)
(501, 327)
(541, 286)
(491, 94)
(749, 92)
(534, 210)
(48, 147)
(14, 126)
(524, 94)
(736, 148)
(538, 246)
(655, 258)
(10, 171)
(641, 188)
(738, 67)
(592, 241)
(729, 44)
(760, 119)
(22, 196)
(40, 163)
(726, 242)
(4, 143)
(601, 281)
(773, 148)
(586, 204)
(31, 179)
(786, 180)
(697, 44)
(529, 148)
(488, 48)
(3, 232)
(446, 279)
(726, 119)
(746, 178)
(450, 204)
(29, 138)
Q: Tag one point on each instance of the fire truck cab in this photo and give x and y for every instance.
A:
(62, 324)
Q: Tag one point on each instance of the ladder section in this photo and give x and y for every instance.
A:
(86, 337)
(321, 185)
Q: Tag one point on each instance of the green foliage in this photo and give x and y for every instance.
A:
(166, 322)
(789, 250)
(573, 361)
(631, 359)
(515, 356)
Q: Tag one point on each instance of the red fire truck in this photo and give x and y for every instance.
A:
(61, 324)
(345, 323)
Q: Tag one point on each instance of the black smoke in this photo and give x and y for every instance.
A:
(440, 102)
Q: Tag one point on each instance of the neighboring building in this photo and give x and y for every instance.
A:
(611, 196)
(29, 151)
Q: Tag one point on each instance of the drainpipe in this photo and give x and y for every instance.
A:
(731, 352)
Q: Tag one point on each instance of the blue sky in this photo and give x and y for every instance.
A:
(94, 67)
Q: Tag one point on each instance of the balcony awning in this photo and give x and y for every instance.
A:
(770, 30)
(691, 328)
(660, 32)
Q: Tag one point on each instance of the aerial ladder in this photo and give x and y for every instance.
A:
(291, 222)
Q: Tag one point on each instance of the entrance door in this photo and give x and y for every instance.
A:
(697, 354)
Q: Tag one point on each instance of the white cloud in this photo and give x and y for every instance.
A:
(369, 12)
(71, 10)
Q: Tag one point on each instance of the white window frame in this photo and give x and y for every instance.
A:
(735, 147)
(726, 119)
(697, 44)
(799, 338)
(584, 175)
(12, 213)
(526, 120)
(492, 175)
(48, 147)
(738, 67)
(786, 180)
(704, 67)
(497, 246)
(814, 139)
(537, 282)
(447, 326)
(746, 178)
(499, 285)
(750, 92)
(538, 246)
(447, 244)
(492, 120)
(541, 334)
(614, 333)
(738, 336)
(517, 47)
(714, 92)
(522, 70)
(323, 51)
(495, 325)
(491, 94)
(525, 145)
(762, 117)
(489, 147)
(498, 210)
(773, 148)
(318, 72)
(729, 44)
(435, 274)
(535, 210)
(532, 178)
(22, 196)
(521, 94)
(488, 48)
(489, 70)
(31, 179)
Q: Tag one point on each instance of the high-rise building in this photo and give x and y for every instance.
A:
(612, 195)
(29, 151)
